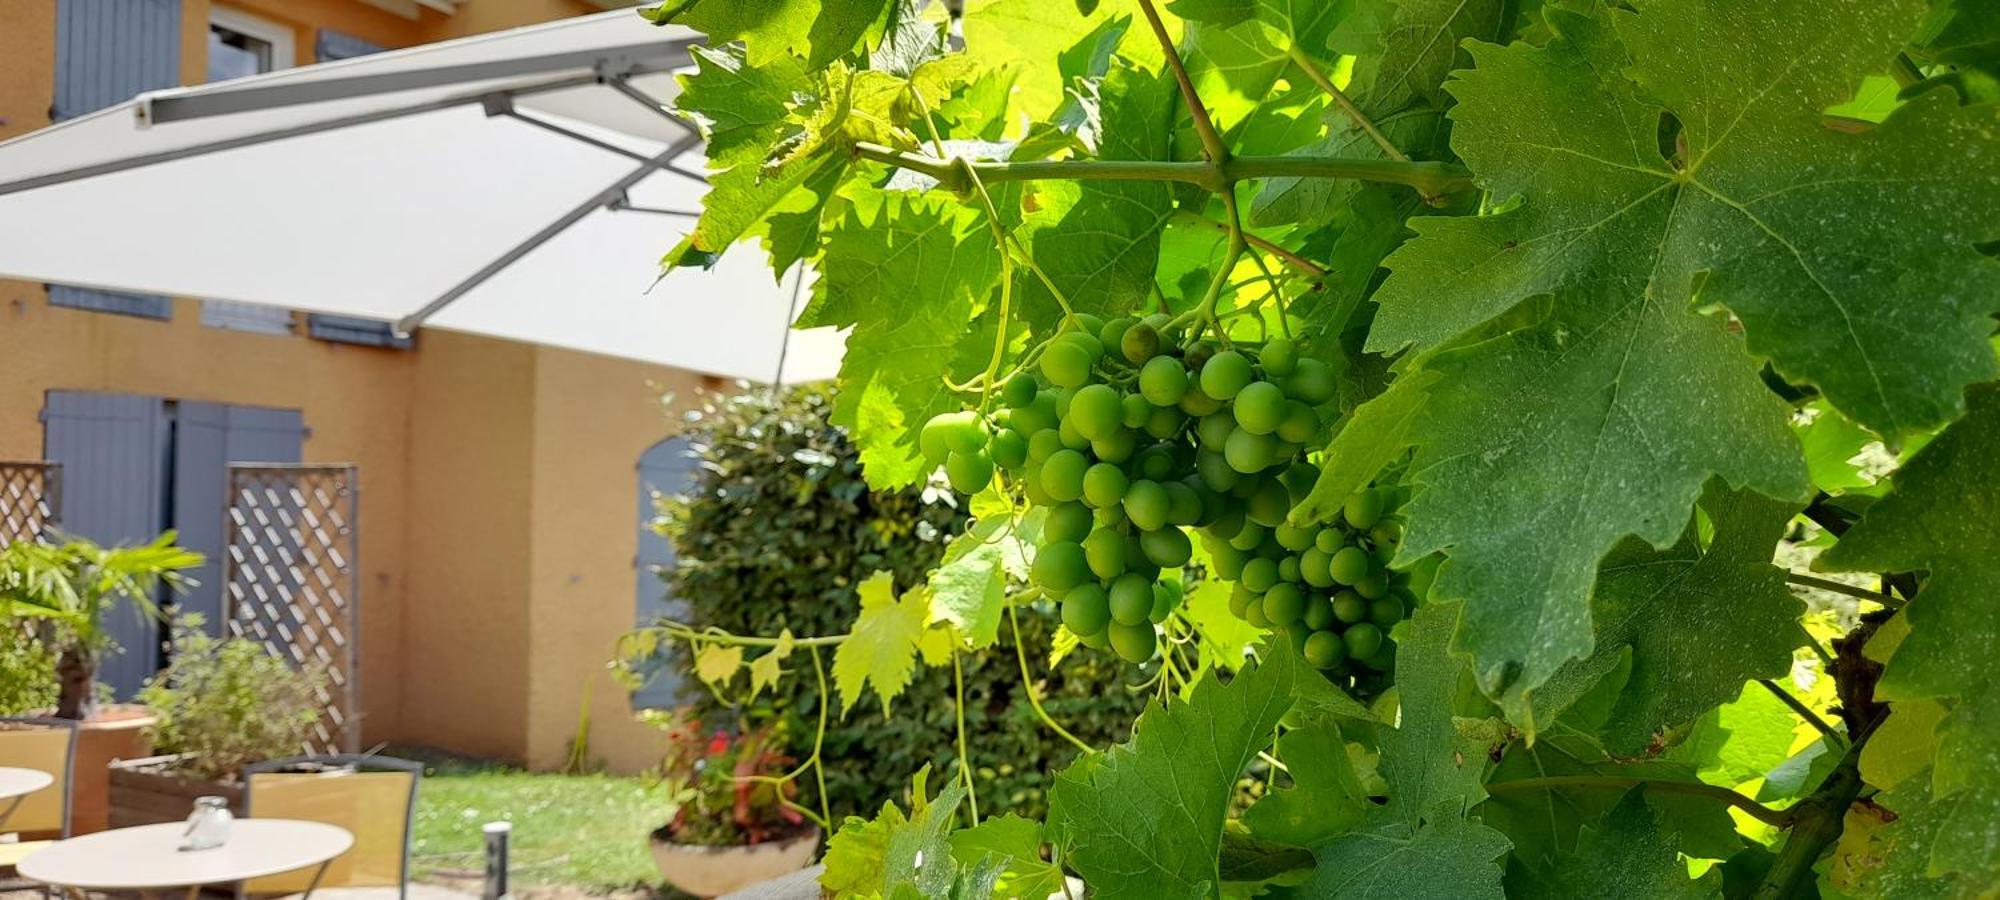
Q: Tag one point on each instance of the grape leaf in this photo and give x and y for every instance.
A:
(905, 271)
(1325, 799)
(824, 29)
(1421, 844)
(1698, 620)
(969, 586)
(1943, 516)
(741, 108)
(1404, 48)
(1027, 34)
(1144, 818)
(1236, 51)
(1017, 843)
(738, 202)
(1778, 218)
(717, 663)
(881, 648)
(1369, 440)
(1634, 854)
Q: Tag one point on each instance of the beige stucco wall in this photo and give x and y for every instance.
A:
(498, 479)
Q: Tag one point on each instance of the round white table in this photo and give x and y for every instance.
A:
(16, 785)
(148, 857)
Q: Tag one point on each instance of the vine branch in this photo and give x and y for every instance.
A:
(1777, 818)
(1028, 685)
(1211, 141)
(1340, 99)
(1840, 587)
(1804, 712)
(1426, 177)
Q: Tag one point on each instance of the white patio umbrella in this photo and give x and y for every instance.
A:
(509, 184)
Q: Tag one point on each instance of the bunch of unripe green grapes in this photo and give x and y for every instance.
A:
(1128, 440)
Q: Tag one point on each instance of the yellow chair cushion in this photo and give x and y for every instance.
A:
(12, 854)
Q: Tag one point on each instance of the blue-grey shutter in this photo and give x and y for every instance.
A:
(207, 438)
(114, 452)
(668, 468)
(107, 52)
(332, 45)
(352, 330)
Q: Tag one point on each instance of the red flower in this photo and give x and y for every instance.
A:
(719, 744)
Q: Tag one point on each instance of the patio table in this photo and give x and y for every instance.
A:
(15, 786)
(148, 858)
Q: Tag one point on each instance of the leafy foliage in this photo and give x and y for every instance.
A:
(229, 703)
(1629, 306)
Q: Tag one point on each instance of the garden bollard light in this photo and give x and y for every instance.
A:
(497, 834)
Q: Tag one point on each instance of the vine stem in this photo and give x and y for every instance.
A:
(1028, 685)
(1428, 178)
(1839, 587)
(1204, 127)
(964, 758)
(1804, 712)
(1340, 99)
(686, 632)
(1817, 822)
(1777, 818)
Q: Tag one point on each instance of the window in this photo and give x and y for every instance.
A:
(240, 44)
(250, 317)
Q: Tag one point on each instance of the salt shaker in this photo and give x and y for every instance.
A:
(208, 824)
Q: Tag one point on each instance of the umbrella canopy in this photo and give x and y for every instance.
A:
(509, 184)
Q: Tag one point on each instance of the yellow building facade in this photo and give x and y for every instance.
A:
(497, 538)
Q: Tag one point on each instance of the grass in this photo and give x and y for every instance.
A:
(582, 831)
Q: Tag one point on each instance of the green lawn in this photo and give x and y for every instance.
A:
(583, 831)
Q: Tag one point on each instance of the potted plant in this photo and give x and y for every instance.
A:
(65, 588)
(730, 824)
(218, 706)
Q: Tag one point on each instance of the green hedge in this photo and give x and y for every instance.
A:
(777, 531)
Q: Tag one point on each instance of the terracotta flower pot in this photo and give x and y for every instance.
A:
(713, 871)
(119, 731)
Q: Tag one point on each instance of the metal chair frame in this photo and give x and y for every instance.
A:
(362, 762)
(68, 776)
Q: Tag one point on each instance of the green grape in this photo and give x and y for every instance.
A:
(1313, 382)
(1065, 364)
(1199, 355)
(1249, 537)
(1087, 323)
(1104, 553)
(1296, 632)
(1288, 569)
(1062, 474)
(1009, 449)
(1134, 643)
(1086, 610)
(1031, 488)
(1038, 416)
(1116, 448)
(1165, 422)
(1362, 639)
(1104, 485)
(1060, 566)
(1197, 403)
(1374, 585)
(1166, 596)
(1184, 505)
(1253, 612)
(1067, 523)
(1061, 396)
(1140, 343)
(1293, 537)
(969, 473)
(1113, 333)
(1259, 574)
(1349, 565)
(1212, 503)
(1300, 424)
(1383, 660)
(1215, 471)
(1168, 548)
(1224, 374)
(1155, 463)
(1136, 559)
(1240, 600)
(1385, 611)
(1278, 356)
(1284, 604)
(1214, 429)
(1362, 510)
(1098, 641)
(1384, 553)
(1087, 340)
(1071, 437)
(1110, 516)
(1019, 392)
(1131, 598)
(1228, 521)
(1134, 410)
(1146, 504)
(1248, 453)
(1259, 407)
(1228, 561)
(1162, 381)
(931, 439)
(1096, 410)
(1386, 533)
(1324, 650)
(1319, 613)
(1270, 503)
(1329, 540)
(1349, 607)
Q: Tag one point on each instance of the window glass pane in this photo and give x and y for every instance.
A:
(233, 54)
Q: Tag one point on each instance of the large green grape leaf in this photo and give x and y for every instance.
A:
(1849, 258)
(1421, 843)
(1016, 843)
(819, 30)
(1237, 49)
(969, 586)
(1028, 34)
(1405, 47)
(741, 108)
(907, 272)
(1943, 517)
(1540, 450)
(881, 648)
(1695, 621)
(1325, 799)
(1633, 854)
(1144, 819)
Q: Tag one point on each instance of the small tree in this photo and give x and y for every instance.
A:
(74, 583)
(226, 703)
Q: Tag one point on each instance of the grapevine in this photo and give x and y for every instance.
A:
(1549, 449)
